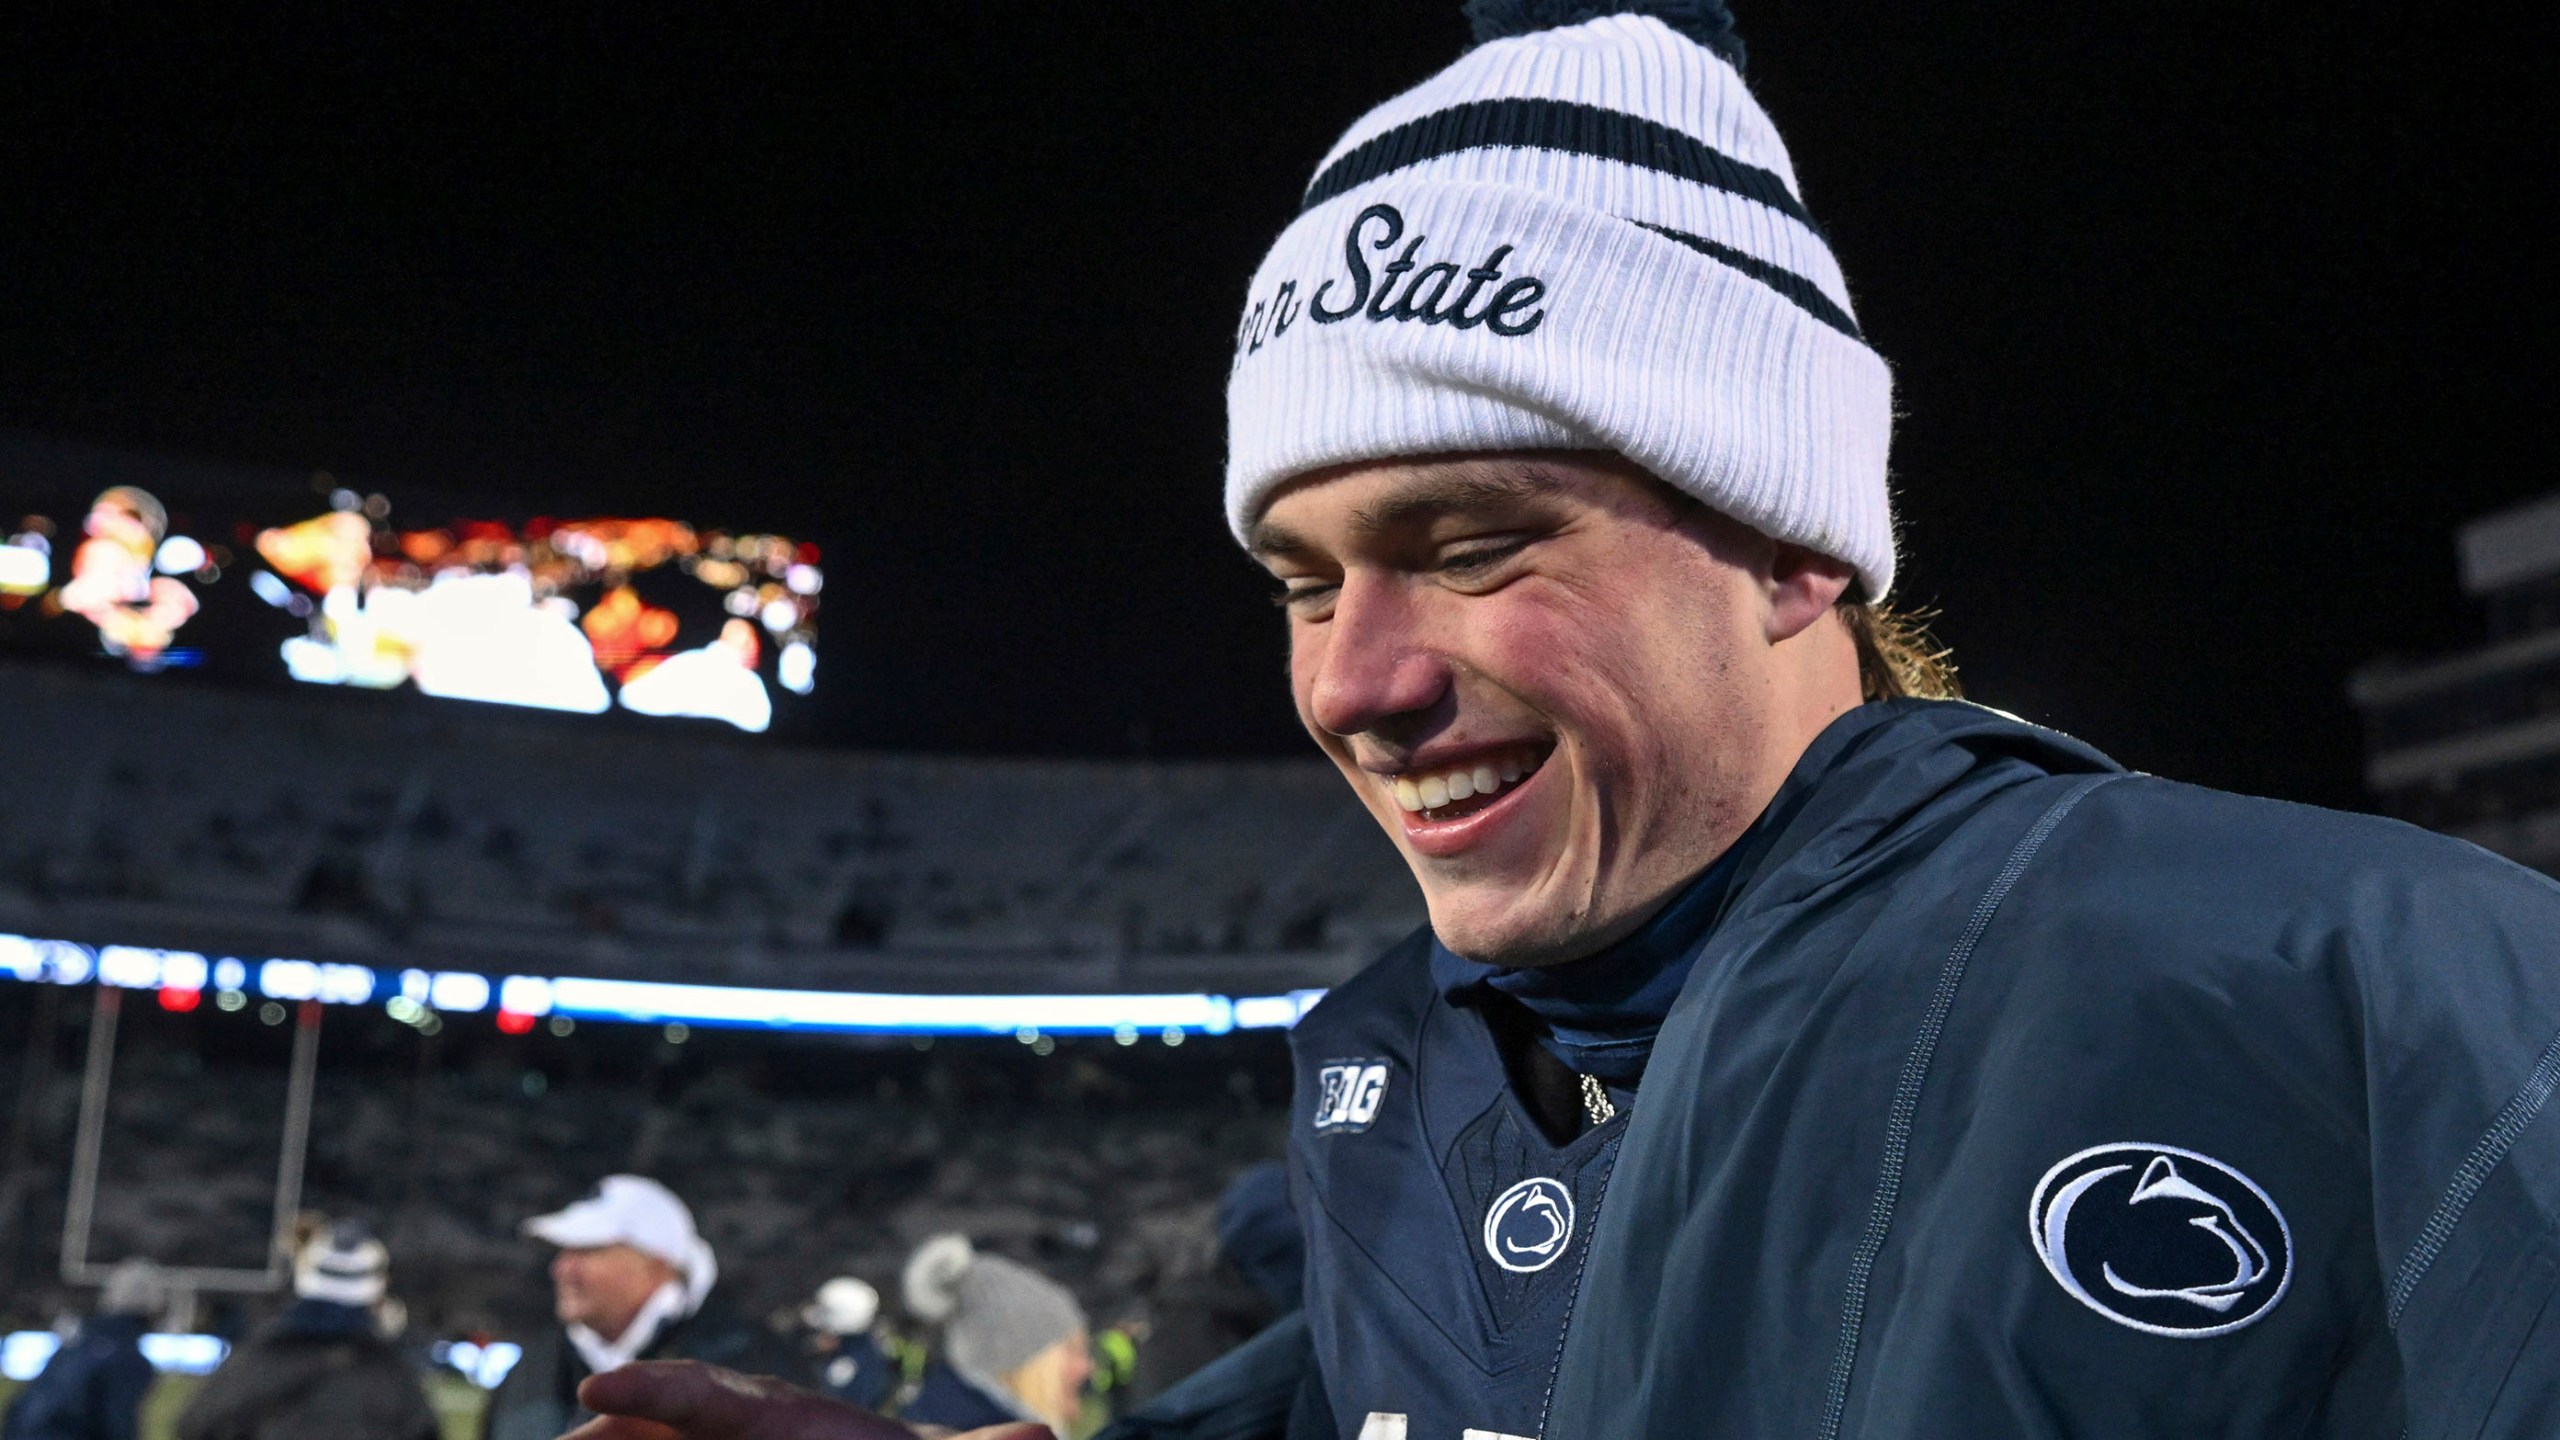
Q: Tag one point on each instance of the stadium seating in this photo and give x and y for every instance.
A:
(392, 832)
(384, 830)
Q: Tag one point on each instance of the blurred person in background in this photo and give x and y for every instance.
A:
(112, 585)
(322, 1370)
(1253, 1280)
(93, 1386)
(852, 1364)
(1014, 1344)
(631, 1281)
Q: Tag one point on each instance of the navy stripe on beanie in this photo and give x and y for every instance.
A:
(1795, 287)
(1561, 125)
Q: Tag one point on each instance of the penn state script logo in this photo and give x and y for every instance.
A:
(2165, 1240)
(1416, 287)
(1348, 1093)
(1529, 1225)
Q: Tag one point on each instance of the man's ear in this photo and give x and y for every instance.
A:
(1803, 586)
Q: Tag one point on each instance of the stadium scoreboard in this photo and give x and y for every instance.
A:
(178, 567)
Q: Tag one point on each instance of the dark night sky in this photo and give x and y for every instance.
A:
(2210, 321)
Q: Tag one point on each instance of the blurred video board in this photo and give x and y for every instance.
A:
(331, 585)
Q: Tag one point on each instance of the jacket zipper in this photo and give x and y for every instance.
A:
(1581, 1264)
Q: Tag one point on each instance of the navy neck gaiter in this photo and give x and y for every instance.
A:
(1599, 1014)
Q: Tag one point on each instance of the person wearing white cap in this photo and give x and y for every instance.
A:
(322, 1370)
(851, 1363)
(631, 1278)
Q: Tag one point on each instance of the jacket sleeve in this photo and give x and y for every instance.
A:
(415, 1411)
(527, 1405)
(1250, 1393)
(2461, 976)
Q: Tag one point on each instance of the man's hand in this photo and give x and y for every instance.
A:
(688, 1400)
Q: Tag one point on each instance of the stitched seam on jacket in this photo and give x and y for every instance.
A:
(2473, 1173)
(1581, 1265)
(1906, 1099)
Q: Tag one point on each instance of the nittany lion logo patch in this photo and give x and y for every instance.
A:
(1529, 1225)
(2164, 1240)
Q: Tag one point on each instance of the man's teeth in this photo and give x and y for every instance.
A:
(1436, 788)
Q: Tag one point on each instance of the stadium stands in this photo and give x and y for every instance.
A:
(398, 833)
(803, 1156)
(383, 831)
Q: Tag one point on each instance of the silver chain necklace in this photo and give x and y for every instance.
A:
(1596, 1102)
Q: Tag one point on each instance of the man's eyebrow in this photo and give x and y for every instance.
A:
(1443, 494)
(1439, 495)
(1267, 539)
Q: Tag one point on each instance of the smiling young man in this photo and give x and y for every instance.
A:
(1563, 687)
(1791, 1051)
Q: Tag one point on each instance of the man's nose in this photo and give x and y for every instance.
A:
(1374, 661)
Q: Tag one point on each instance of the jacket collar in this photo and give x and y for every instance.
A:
(1869, 772)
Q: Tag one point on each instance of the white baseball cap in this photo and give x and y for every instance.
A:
(845, 1306)
(637, 1211)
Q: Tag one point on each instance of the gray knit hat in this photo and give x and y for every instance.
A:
(995, 1314)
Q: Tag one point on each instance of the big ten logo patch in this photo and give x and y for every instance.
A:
(1348, 1093)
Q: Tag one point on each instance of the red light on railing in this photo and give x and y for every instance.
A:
(182, 1001)
(514, 1022)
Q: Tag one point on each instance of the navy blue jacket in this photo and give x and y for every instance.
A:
(319, 1371)
(945, 1398)
(858, 1371)
(91, 1389)
(2010, 1095)
(539, 1398)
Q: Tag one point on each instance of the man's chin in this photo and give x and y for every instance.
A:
(1509, 940)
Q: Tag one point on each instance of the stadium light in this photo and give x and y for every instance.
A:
(24, 1353)
(655, 1002)
(483, 1365)
(1274, 1012)
(24, 570)
(418, 996)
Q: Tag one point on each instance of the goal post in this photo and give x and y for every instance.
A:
(80, 1209)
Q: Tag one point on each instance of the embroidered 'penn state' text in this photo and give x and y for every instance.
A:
(1406, 289)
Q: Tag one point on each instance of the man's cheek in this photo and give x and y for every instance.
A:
(1542, 635)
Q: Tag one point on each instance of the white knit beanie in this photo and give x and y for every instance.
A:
(1585, 234)
(343, 1264)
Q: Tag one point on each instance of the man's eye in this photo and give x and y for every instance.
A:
(1478, 558)
(1305, 596)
